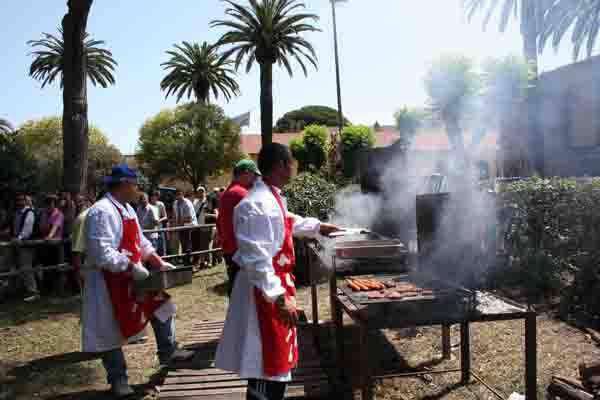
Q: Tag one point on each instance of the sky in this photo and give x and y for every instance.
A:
(385, 47)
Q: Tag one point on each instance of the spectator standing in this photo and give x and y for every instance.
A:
(52, 229)
(244, 174)
(184, 213)
(149, 219)
(23, 229)
(78, 238)
(201, 238)
(163, 220)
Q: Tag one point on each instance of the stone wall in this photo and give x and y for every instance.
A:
(569, 118)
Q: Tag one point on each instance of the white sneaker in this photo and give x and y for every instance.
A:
(31, 298)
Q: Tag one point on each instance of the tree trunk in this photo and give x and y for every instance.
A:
(529, 31)
(455, 138)
(266, 102)
(75, 118)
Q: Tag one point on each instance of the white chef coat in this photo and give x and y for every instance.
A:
(103, 232)
(259, 229)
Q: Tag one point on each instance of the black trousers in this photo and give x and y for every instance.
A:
(259, 389)
(232, 271)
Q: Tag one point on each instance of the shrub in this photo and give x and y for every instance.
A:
(552, 231)
(355, 138)
(311, 150)
(310, 195)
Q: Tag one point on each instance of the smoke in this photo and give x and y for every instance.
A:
(454, 228)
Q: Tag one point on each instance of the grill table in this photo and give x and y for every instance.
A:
(491, 308)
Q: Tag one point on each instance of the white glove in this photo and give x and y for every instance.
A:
(139, 272)
(167, 266)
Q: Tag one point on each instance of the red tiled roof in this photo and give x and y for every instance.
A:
(434, 140)
(251, 143)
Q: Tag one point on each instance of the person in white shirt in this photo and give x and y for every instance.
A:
(111, 313)
(163, 220)
(259, 338)
(185, 215)
(148, 216)
(23, 229)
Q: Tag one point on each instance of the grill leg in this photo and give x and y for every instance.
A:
(446, 350)
(530, 357)
(338, 320)
(465, 352)
(365, 367)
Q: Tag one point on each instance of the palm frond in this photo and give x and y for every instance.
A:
(582, 16)
(268, 31)
(198, 70)
(5, 126)
(48, 54)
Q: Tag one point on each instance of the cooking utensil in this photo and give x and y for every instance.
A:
(349, 231)
(370, 249)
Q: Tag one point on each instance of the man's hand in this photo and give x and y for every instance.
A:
(286, 307)
(167, 266)
(139, 272)
(328, 229)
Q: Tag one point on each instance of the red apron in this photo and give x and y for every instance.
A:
(279, 342)
(132, 315)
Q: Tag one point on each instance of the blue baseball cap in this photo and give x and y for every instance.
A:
(121, 173)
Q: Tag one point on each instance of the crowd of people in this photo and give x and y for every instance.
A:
(56, 216)
(118, 240)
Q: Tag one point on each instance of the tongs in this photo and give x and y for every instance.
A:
(349, 231)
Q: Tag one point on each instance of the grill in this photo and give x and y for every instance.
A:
(437, 300)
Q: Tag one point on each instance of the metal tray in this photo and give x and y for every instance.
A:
(370, 249)
(162, 280)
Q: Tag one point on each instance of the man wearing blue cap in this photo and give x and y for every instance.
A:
(111, 313)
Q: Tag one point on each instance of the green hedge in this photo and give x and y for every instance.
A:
(553, 238)
(310, 195)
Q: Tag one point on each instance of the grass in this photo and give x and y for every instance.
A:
(39, 346)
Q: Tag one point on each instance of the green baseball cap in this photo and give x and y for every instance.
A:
(247, 165)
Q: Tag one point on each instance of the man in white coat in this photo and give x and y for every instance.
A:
(259, 339)
(111, 313)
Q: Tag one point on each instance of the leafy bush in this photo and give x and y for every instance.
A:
(553, 227)
(311, 150)
(310, 195)
(355, 139)
(296, 120)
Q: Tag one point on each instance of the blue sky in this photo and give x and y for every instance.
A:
(385, 48)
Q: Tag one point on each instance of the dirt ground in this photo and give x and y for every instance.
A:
(39, 346)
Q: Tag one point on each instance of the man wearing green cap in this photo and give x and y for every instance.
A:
(245, 173)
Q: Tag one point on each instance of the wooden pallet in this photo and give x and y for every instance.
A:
(198, 379)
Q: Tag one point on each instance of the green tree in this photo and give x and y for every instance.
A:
(311, 150)
(5, 126)
(408, 122)
(18, 170)
(75, 64)
(268, 32)
(583, 16)
(198, 70)
(190, 142)
(354, 140)
(505, 82)
(49, 55)
(451, 85)
(43, 142)
(296, 120)
(530, 14)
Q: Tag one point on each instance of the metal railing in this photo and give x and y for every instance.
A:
(14, 268)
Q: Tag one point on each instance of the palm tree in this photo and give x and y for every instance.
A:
(199, 70)
(5, 126)
(530, 13)
(49, 60)
(451, 85)
(582, 15)
(506, 82)
(74, 58)
(268, 32)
